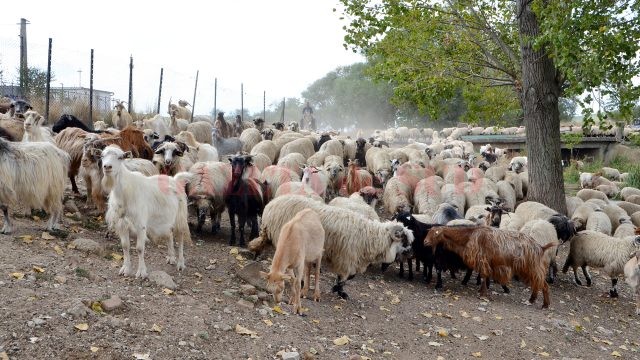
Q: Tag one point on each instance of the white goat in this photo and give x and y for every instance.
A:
(138, 205)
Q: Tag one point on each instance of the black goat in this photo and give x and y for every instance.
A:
(68, 120)
(243, 198)
(361, 152)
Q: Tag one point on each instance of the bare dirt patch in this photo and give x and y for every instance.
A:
(50, 307)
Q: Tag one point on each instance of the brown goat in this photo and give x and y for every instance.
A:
(497, 254)
(357, 178)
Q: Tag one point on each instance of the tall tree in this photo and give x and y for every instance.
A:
(538, 49)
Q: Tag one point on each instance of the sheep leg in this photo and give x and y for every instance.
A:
(180, 265)
(438, 279)
(171, 257)
(307, 280)
(427, 272)
(232, 222)
(316, 290)
(401, 273)
(453, 273)
(140, 242)
(467, 277)
(613, 292)
(126, 245)
(575, 276)
(7, 228)
(484, 286)
(410, 265)
(299, 272)
(241, 222)
(585, 271)
(637, 300)
(74, 187)
(254, 227)
(479, 279)
(202, 217)
(505, 289)
(417, 265)
(339, 288)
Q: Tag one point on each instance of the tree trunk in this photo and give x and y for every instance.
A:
(540, 91)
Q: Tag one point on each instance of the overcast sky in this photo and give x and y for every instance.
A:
(280, 47)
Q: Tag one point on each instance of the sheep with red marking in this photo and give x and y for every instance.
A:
(299, 247)
(632, 277)
(497, 254)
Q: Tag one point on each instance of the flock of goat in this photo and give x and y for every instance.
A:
(316, 197)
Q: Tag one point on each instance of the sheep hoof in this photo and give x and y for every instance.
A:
(171, 260)
(142, 274)
(343, 295)
(506, 289)
(316, 298)
(181, 266)
(578, 282)
(125, 270)
(638, 311)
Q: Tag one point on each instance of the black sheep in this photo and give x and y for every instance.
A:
(243, 198)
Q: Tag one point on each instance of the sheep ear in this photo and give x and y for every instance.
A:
(127, 155)
(160, 150)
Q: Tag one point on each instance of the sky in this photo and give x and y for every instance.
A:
(278, 47)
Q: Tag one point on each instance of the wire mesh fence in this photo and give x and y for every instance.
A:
(71, 85)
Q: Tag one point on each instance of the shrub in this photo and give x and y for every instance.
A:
(634, 177)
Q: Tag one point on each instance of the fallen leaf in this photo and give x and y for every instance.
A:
(395, 300)
(616, 354)
(198, 275)
(434, 343)
(481, 337)
(522, 344)
(94, 349)
(315, 321)
(607, 342)
(497, 332)
(477, 318)
(443, 333)
(476, 354)
(17, 275)
(382, 308)
(97, 307)
(82, 327)
(27, 239)
(116, 257)
(268, 322)
(38, 269)
(498, 317)
(167, 291)
(156, 328)
(623, 347)
(139, 356)
(58, 250)
(47, 236)
(244, 331)
(427, 315)
(279, 310)
(464, 314)
(71, 246)
(233, 251)
(343, 340)
(239, 257)
(544, 353)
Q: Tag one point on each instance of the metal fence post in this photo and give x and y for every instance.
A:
(130, 107)
(48, 91)
(160, 89)
(215, 98)
(193, 104)
(241, 102)
(90, 122)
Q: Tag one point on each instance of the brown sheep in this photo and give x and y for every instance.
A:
(497, 254)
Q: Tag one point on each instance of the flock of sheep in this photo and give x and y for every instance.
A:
(316, 197)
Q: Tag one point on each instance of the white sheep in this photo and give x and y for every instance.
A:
(611, 173)
(201, 130)
(275, 176)
(317, 179)
(206, 185)
(630, 208)
(154, 206)
(379, 164)
(572, 204)
(582, 213)
(157, 123)
(507, 192)
(616, 215)
(333, 147)
(266, 147)
(518, 164)
(628, 191)
(455, 195)
(250, 137)
(599, 221)
(294, 161)
(590, 248)
(173, 157)
(427, 196)
(33, 128)
(352, 242)
(204, 151)
(299, 247)
(357, 205)
(398, 195)
(586, 194)
(297, 188)
(32, 175)
(625, 228)
(511, 221)
(301, 146)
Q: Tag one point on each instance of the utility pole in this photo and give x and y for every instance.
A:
(79, 78)
(23, 56)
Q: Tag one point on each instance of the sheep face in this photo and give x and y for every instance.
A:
(32, 119)
(293, 126)
(167, 154)
(267, 134)
(334, 171)
(275, 283)
(278, 126)
(259, 123)
(18, 108)
(112, 159)
(400, 239)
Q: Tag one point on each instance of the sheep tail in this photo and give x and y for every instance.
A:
(258, 244)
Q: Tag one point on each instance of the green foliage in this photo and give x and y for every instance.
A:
(622, 163)
(571, 174)
(634, 177)
(635, 139)
(595, 44)
(571, 139)
(35, 85)
(567, 108)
